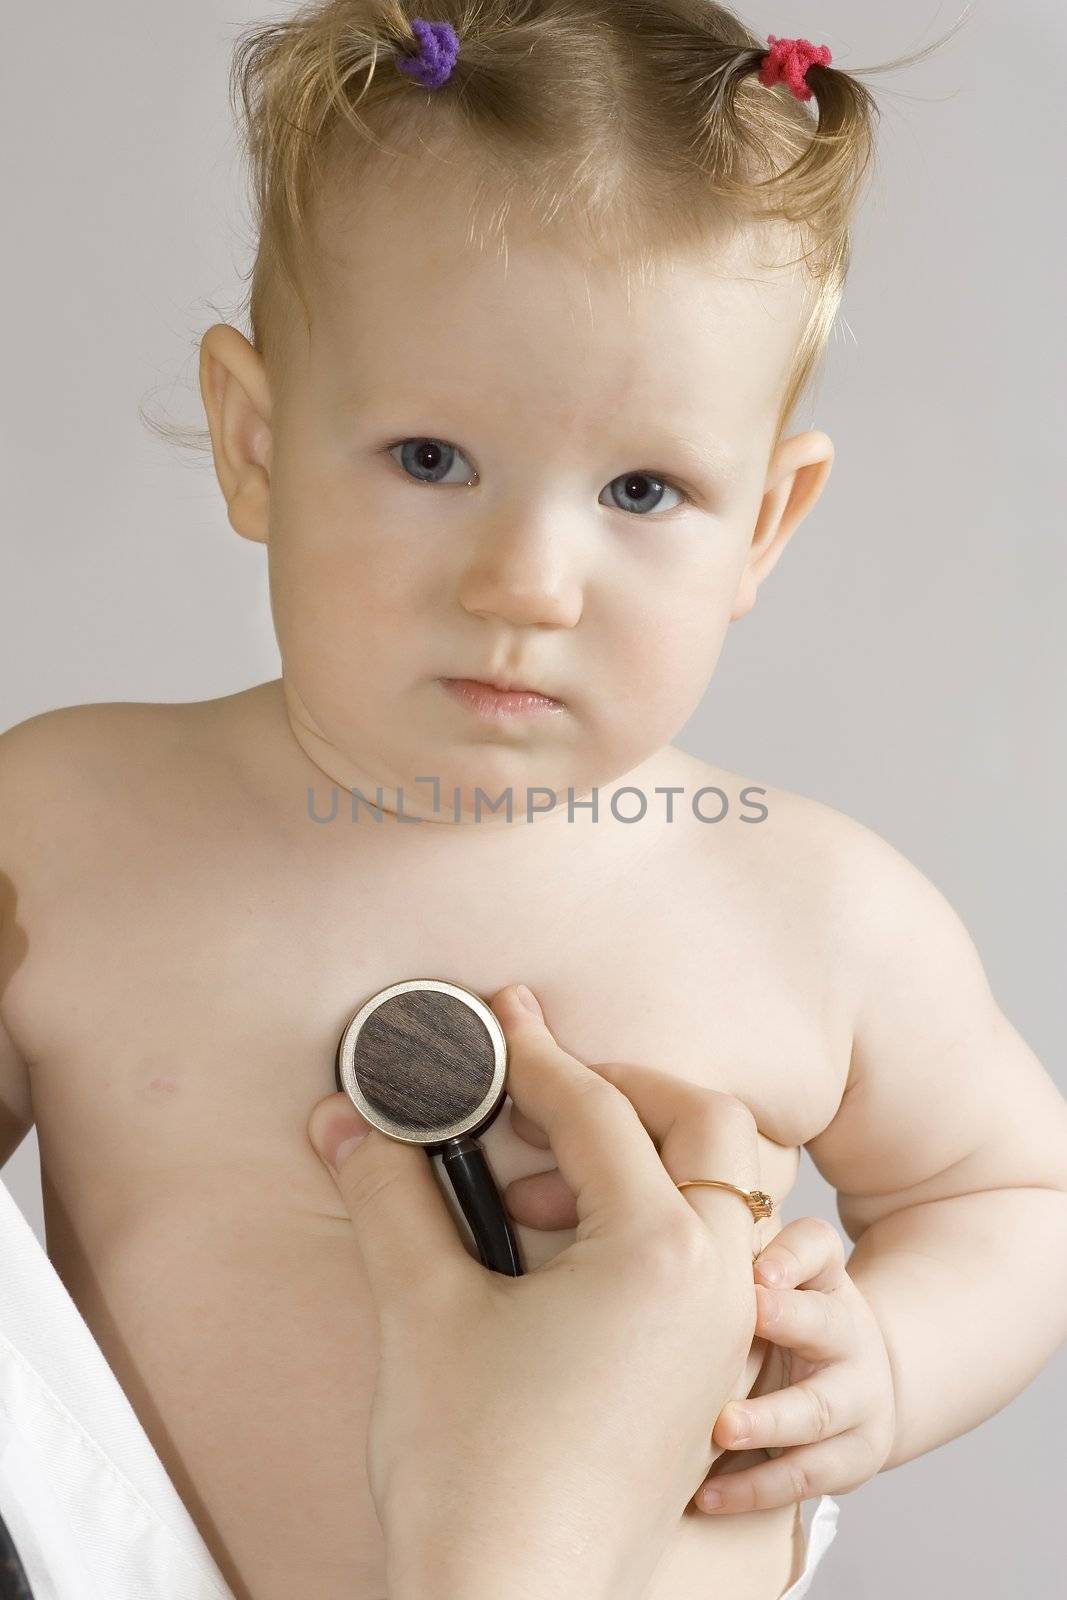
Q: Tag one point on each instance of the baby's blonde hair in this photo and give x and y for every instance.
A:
(640, 123)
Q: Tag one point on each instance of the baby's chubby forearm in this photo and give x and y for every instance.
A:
(970, 1293)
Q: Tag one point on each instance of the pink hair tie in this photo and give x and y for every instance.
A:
(788, 60)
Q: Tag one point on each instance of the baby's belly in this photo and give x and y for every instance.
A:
(237, 1318)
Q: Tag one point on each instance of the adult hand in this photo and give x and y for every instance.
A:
(549, 1430)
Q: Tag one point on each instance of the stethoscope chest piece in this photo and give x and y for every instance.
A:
(425, 1062)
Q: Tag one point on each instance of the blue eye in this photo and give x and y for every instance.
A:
(431, 461)
(640, 486)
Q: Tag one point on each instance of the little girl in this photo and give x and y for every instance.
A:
(538, 287)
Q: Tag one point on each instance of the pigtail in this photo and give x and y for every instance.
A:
(753, 148)
(744, 143)
(639, 126)
(827, 178)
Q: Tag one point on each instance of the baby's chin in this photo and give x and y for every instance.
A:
(491, 773)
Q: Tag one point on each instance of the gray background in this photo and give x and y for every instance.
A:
(902, 664)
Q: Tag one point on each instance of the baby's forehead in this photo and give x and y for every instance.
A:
(410, 292)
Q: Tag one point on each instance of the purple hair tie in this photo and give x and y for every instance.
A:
(438, 50)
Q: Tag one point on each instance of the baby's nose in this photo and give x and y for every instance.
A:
(527, 578)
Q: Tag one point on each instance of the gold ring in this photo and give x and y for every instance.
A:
(758, 1202)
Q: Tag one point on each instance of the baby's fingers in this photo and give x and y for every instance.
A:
(808, 1251)
(831, 1467)
(816, 1408)
(818, 1327)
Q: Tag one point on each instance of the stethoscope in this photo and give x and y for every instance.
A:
(425, 1062)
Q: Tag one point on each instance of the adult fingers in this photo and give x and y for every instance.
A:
(399, 1216)
(697, 1132)
(542, 1200)
(604, 1154)
(527, 1130)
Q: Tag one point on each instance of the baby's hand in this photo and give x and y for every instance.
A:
(831, 1422)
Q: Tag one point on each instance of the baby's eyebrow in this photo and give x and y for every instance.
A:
(707, 454)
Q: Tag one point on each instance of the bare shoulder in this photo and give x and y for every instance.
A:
(837, 876)
(880, 907)
(69, 777)
(782, 826)
(106, 743)
(59, 761)
(44, 761)
(90, 734)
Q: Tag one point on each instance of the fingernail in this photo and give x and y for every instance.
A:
(771, 1270)
(711, 1498)
(341, 1138)
(528, 1000)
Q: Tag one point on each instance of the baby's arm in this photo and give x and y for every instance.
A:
(949, 1155)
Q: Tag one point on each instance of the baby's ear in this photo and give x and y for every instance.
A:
(236, 396)
(796, 477)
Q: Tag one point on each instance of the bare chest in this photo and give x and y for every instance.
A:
(186, 1014)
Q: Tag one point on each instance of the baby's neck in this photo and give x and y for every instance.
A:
(324, 761)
